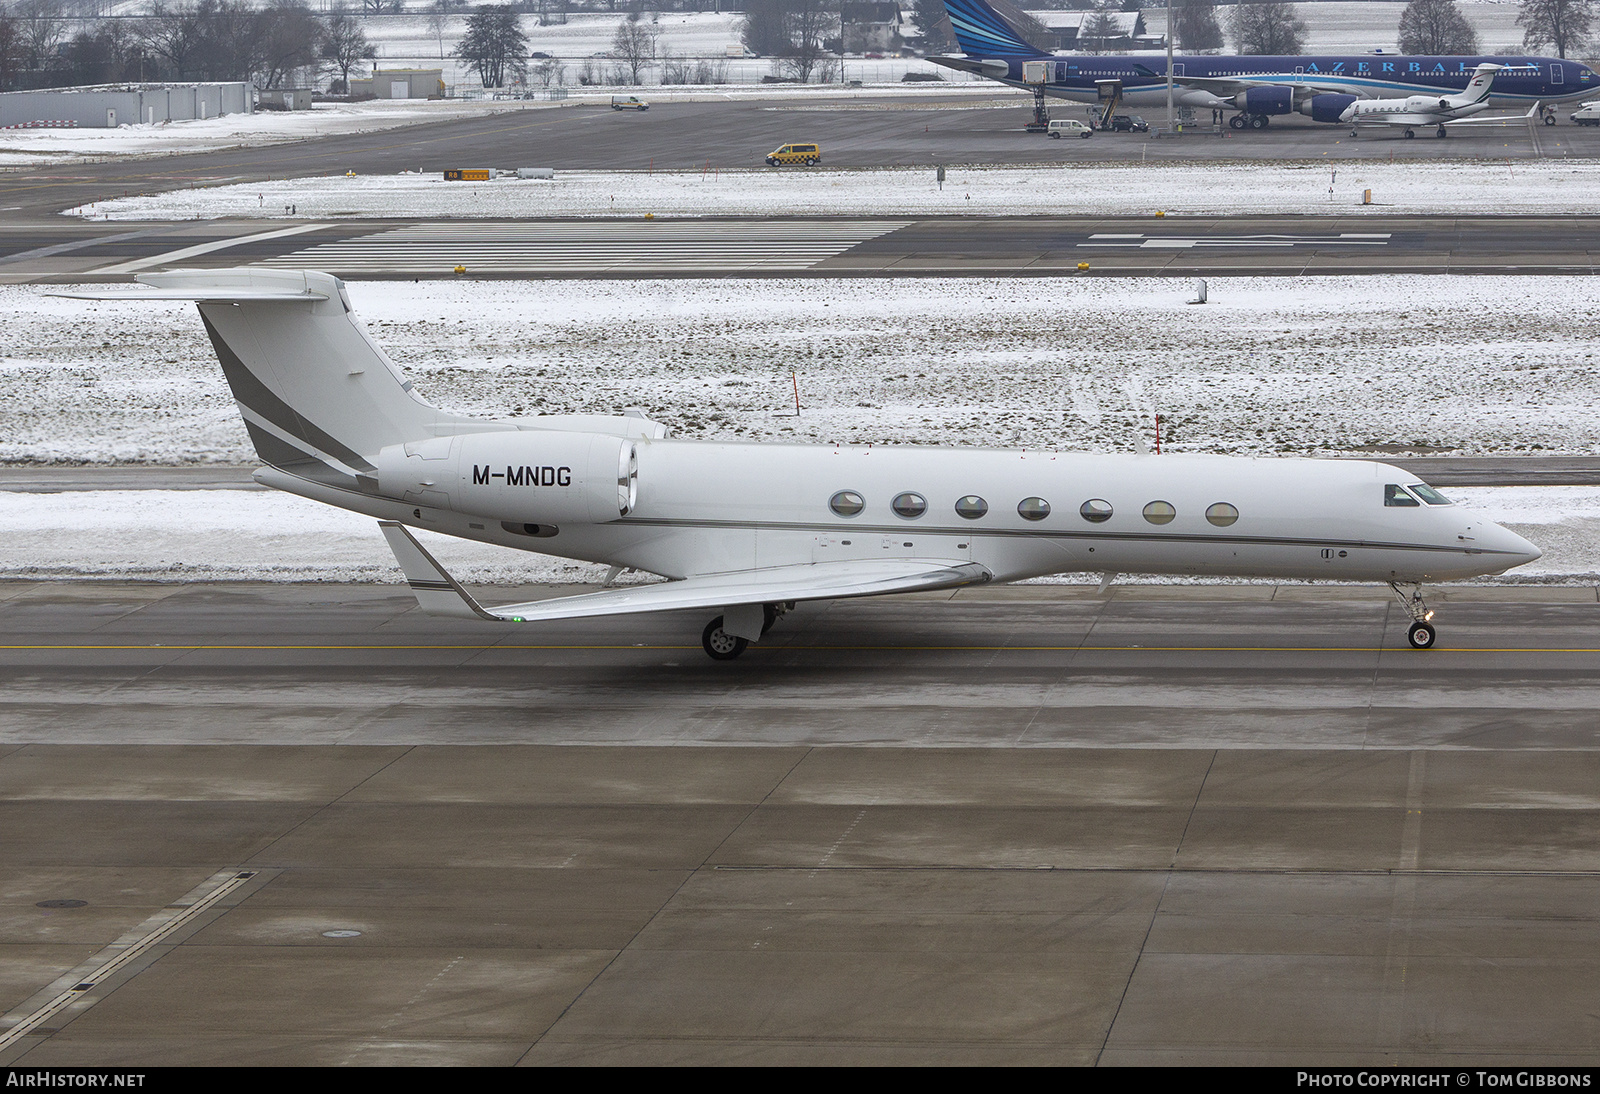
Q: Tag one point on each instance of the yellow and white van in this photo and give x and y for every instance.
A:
(804, 154)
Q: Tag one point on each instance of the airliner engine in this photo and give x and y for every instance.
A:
(533, 477)
(1326, 108)
(1277, 99)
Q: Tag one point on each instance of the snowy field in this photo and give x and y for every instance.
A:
(21, 147)
(244, 535)
(1552, 186)
(1359, 27)
(1317, 365)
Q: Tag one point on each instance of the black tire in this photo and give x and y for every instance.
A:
(1259, 121)
(1549, 119)
(1443, 132)
(1055, 136)
(1238, 121)
(1421, 636)
(1410, 134)
(769, 616)
(721, 645)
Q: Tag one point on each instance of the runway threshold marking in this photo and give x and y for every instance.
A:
(206, 248)
(181, 648)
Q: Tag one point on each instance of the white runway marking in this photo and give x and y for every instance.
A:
(1348, 239)
(721, 246)
(172, 258)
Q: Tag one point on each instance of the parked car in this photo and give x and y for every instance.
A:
(628, 102)
(1068, 127)
(1128, 123)
(1587, 114)
(805, 155)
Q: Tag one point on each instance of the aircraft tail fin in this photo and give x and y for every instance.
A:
(1478, 87)
(982, 32)
(318, 397)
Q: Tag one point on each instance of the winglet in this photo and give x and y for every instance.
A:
(437, 592)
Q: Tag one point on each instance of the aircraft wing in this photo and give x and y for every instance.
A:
(439, 594)
(1226, 86)
(1419, 121)
(1504, 119)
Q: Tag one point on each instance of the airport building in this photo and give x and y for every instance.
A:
(401, 83)
(110, 105)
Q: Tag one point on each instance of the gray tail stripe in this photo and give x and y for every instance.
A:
(283, 455)
(252, 393)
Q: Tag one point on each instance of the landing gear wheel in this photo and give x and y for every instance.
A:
(1410, 133)
(1353, 132)
(1549, 119)
(1259, 121)
(1238, 121)
(1421, 636)
(721, 645)
(1443, 132)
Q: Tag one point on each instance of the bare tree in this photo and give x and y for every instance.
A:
(439, 22)
(1564, 24)
(635, 46)
(345, 45)
(550, 72)
(284, 39)
(809, 23)
(1436, 28)
(1270, 28)
(43, 26)
(172, 38)
(1195, 27)
(10, 49)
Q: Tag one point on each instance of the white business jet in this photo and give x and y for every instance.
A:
(747, 530)
(1421, 111)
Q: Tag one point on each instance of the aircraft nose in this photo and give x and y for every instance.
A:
(1507, 542)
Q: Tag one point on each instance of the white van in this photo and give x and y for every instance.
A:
(1587, 114)
(1068, 127)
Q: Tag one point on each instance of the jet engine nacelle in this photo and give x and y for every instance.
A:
(1326, 108)
(1265, 100)
(1424, 103)
(536, 477)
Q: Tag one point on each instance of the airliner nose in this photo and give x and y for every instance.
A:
(1349, 112)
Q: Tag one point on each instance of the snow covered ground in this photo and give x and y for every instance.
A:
(239, 535)
(39, 146)
(1329, 365)
(1359, 26)
(1481, 186)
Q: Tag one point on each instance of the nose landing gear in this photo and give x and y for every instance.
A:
(1420, 634)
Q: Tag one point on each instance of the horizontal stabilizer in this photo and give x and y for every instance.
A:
(197, 295)
(439, 594)
(236, 286)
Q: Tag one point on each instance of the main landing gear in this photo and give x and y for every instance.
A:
(722, 646)
(1420, 634)
(1249, 121)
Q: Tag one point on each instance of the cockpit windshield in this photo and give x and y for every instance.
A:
(1395, 496)
(1428, 494)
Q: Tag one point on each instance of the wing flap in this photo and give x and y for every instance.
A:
(439, 594)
